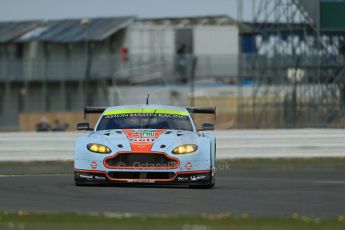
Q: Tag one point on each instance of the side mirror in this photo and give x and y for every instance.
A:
(207, 126)
(83, 126)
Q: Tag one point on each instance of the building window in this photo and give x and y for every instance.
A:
(1, 103)
(68, 102)
(20, 103)
(46, 50)
(19, 51)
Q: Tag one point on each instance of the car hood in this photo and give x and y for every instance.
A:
(146, 139)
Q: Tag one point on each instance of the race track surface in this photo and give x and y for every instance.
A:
(258, 193)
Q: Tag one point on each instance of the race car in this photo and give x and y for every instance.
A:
(146, 144)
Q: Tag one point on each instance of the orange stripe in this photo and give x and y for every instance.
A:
(137, 133)
(89, 171)
(141, 146)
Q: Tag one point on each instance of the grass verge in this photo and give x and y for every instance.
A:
(283, 165)
(25, 220)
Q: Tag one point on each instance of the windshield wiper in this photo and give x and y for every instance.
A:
(150, 119)
(140, 124)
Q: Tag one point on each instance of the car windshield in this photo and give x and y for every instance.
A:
(151, 120)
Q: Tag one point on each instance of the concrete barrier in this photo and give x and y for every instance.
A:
(230, 144)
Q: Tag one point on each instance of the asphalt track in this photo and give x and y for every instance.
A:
(319, 194)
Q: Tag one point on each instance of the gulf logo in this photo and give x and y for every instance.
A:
(188, 165)
(93, 164)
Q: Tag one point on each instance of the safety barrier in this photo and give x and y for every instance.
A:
(232, 144)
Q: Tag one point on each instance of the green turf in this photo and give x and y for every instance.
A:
(24, 220)
(283, 165)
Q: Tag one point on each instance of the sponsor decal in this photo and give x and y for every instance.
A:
(143, 111)
(99, 178)
(141, 181)
(88, 177)
(146, 135)
(141, 146)
(195, 178)
(93, 164)
(141, 140)
(136, 133)
(149, 133)
(188, 166)
(182, 178)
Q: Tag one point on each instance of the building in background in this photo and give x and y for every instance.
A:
(295, 56)
(287, 65)
(213, 40)
(60, 66)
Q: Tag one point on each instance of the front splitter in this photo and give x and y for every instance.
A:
(100, 177)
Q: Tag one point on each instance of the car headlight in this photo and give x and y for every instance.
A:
(97, 148)
(183, 149)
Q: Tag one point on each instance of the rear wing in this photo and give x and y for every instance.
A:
(193, 110)
(88, 110)
(206, 110)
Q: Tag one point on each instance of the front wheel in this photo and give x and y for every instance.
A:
(79, 183)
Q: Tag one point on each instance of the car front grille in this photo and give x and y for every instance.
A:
(141, 160)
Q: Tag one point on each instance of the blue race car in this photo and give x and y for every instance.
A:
(146, 144)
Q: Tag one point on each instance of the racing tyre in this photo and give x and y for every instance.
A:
(83, 183)
(77, 183)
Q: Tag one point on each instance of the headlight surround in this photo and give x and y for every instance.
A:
(185, 149)
(97, 148)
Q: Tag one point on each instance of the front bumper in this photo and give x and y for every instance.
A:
(199, 177)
